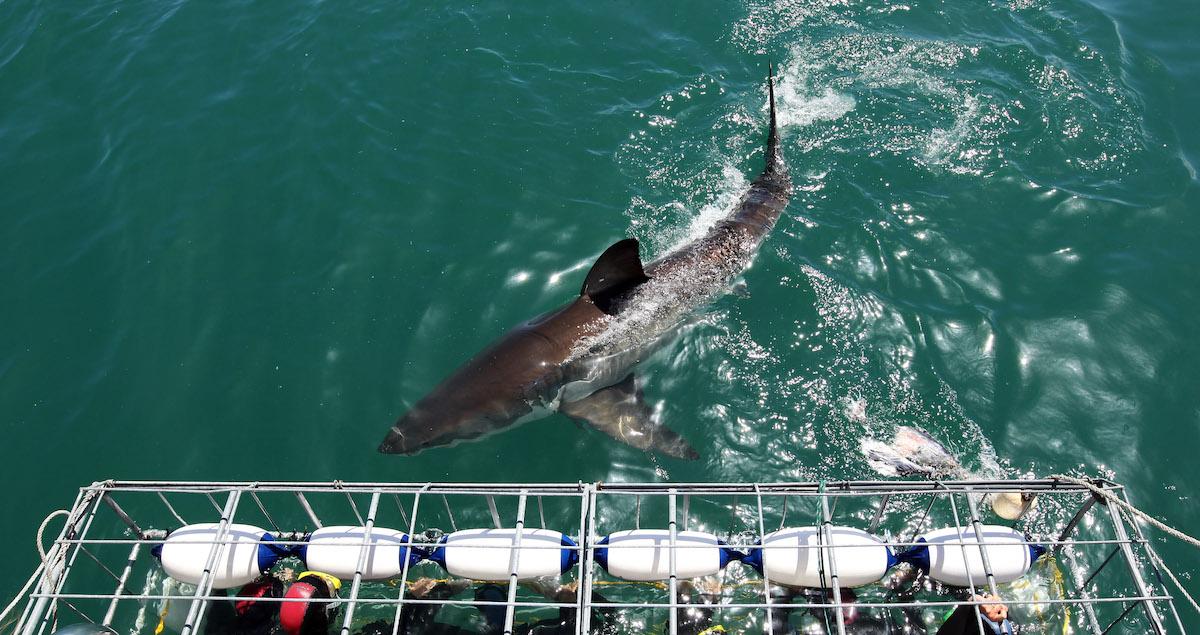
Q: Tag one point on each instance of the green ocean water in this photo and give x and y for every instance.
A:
(240, 239)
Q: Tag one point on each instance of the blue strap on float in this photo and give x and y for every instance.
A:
(156, 550)
(269, 553)
(917, 556)
(438, 555)
(1035, 552)
(413, 555)
(602, 553)
(568, 556)
(727, 555)
(754, 558)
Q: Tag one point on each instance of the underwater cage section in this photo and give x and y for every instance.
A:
(384, 558)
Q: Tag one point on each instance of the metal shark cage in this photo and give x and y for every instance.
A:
(100, 569)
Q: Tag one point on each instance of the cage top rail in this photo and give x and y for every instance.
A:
(114, 525)
(831, 488)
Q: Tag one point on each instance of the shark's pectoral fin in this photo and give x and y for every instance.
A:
(620, 412)
(616, 271)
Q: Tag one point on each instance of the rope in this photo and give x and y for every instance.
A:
(1133, 511)
(162, 616)
(42, 530)
(1129, 508)
(1158, 561)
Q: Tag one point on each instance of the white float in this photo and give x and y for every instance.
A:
(245, 554)
(797, 556)
(336, 550)
(645, 554)
(487, 554)
(951, 553)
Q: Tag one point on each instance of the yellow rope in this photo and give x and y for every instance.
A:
(1058, 585)
(162, 617)
(1056, 578)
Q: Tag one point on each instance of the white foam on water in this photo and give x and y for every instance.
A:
(732, 185)
(799, 103)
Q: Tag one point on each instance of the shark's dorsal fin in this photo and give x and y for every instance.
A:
(618, 270)
(621, 412)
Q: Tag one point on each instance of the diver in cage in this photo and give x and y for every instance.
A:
(308, 608)
(247, 616)
(992, 618)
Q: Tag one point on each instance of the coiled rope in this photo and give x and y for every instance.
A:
(1122, 505)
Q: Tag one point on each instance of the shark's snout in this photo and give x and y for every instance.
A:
(423, 428)
(395, 443)
(442, 419)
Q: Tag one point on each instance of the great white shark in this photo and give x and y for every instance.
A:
(579, 359)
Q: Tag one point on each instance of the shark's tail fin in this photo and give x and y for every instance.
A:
(774, 158)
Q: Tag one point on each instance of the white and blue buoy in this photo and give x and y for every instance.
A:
(336, 550)
(645, 554)
(488, 554)
(953, 556)
(246, 552)
(801, 557)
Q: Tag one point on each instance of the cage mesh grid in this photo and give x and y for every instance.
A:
(100, 569)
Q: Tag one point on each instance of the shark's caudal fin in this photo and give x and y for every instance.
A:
(620, 411)
(774, 158)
